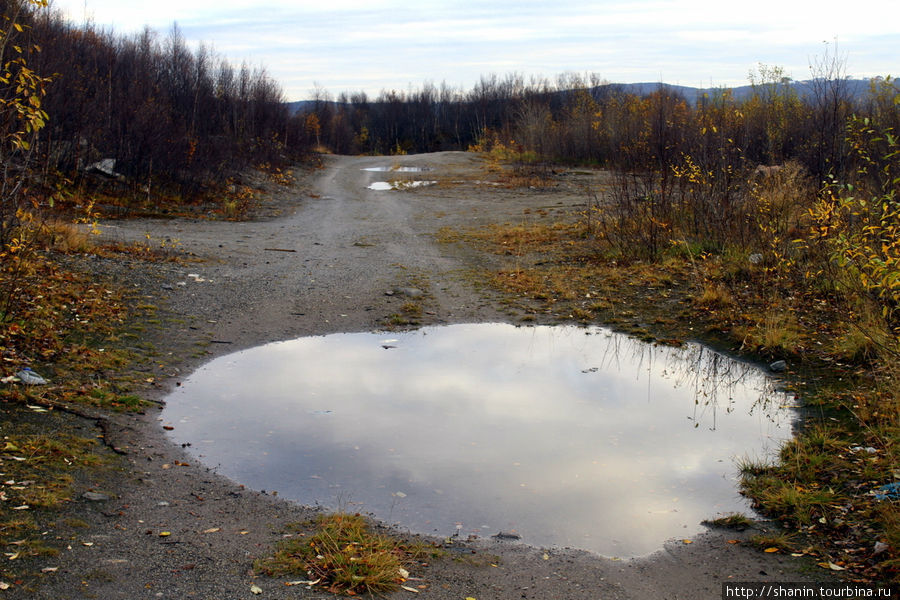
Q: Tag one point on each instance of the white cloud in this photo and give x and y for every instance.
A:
(377, 44)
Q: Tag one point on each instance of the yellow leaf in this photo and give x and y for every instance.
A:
(770, 550)
(165, 533)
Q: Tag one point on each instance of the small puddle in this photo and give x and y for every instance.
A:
(566, 436)
(397, 169)
(384, 186)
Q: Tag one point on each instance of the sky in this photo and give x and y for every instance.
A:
(375, 45)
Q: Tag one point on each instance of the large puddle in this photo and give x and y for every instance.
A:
(565, 436)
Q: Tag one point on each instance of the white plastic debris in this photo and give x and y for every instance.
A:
(29, 377)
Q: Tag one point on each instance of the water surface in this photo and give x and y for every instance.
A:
(566, 436)
(384, 186)
(397, 169)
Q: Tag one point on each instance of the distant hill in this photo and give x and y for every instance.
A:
(856, 88)
(301, 106)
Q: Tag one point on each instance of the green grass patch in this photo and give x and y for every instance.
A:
(40, 467)
(40, 471)
(114, 401)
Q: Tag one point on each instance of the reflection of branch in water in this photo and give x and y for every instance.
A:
(704, 373)
(712, 378)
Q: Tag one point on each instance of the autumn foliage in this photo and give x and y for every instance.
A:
(169, 116)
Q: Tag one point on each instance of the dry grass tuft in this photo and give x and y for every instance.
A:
(714, 296)
(343, 555)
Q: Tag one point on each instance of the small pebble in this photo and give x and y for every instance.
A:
(95, 497)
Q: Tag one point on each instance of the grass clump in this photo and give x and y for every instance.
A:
(736, 521)
(802, 504)
(777, 334)
(398, 320)
(714, 296)
(343, 555)
(413, 309)
(114, 401)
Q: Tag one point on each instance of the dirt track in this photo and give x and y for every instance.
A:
(324, 265)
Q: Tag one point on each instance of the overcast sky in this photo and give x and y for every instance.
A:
(370, 45)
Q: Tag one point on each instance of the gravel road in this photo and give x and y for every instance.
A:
(327, 257)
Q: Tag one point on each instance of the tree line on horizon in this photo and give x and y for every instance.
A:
(585, 120)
